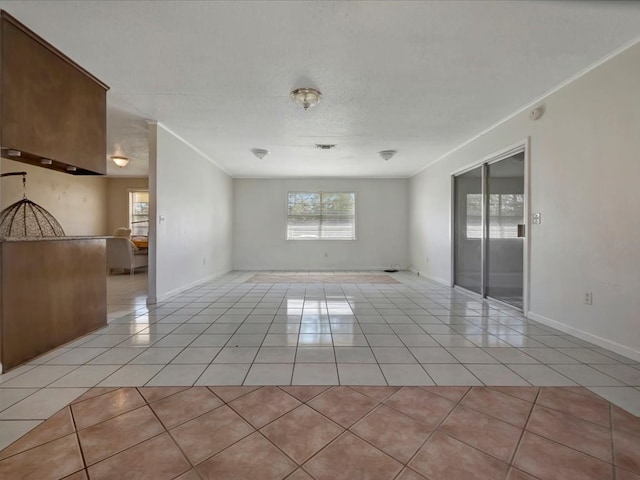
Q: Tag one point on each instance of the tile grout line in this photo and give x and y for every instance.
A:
(77, 435)
(514, 454)
(613, 446)
(437, 427)
(165, 430)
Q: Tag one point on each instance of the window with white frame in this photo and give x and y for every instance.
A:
(321, 216)
(139, 212)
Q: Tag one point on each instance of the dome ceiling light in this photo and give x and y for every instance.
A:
(120, 161)
(387, 154)
(306, 97)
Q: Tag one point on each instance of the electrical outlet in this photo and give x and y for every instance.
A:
(588, 298)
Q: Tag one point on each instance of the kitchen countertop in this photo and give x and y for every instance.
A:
(40, 239)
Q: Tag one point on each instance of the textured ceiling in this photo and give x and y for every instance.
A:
(417, 77)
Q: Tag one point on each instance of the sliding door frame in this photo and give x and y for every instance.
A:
(521, 146)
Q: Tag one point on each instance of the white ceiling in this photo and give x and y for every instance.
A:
(417, 77)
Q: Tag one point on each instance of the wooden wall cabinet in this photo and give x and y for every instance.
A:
(51, 108)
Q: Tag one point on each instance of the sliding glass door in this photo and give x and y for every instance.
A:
(468, 230)
(505, 232)
(489, 218)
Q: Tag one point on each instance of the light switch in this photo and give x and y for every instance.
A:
(536, 218)
(161, 219)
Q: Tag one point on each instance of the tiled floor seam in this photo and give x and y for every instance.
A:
(471, 407)
(514, 454)
(613, 445)
(495, 387)
(147, 405)
(380, 404)
(87, 467)
(345, 430)
(611, 463)
(513, 468)
(586, 365)
(75, 432)
(43, 443)
(433, 432)
(459, 403)
(574, 416)
(176, 444)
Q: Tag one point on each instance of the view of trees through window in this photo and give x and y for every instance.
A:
(139, 213)
(506, 211)
(321, 216)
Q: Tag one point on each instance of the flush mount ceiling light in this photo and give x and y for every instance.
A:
(120, 161)
(306, 97)
(260, 152)
(387, 154)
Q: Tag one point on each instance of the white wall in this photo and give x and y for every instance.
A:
(260, 222)
(585, 170)
(79, 203)
(194, 242)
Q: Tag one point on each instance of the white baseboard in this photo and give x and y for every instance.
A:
(311, 269)
(589, 337)
(176, 291)
(430, 277)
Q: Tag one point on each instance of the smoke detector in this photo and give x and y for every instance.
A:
(387, 154)
(536, 113)
(325, 146)
(260, 152)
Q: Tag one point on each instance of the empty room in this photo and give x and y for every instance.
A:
(319, 240)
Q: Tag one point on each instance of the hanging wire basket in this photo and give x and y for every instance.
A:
(27, 219)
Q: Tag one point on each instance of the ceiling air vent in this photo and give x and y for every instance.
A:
(325, 146)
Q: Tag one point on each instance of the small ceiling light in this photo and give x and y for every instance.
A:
(387, 154)
(306, 97)
(71, 168)
(46, 161)
(260, 152)
(14, 153)
(120, 161)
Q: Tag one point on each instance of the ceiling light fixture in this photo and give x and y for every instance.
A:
(260, 152)
(387, 154)
(306, 97)
(120, 161)
(46, 161)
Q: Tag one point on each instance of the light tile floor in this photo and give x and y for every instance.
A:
(232, 332)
